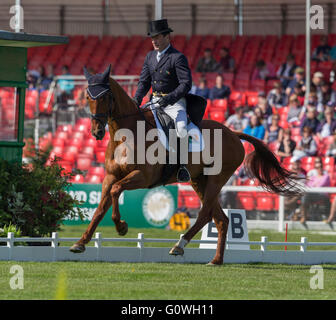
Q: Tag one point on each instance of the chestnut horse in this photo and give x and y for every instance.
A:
(113, 106)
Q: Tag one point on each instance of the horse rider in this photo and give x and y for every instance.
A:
(166, 70)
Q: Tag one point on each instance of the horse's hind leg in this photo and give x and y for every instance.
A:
(103, 206)
(222, 224)
(207, 188)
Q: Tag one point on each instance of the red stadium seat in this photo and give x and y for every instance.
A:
(78, 178)
(246, 200)
(100, 171)
(83, 164)
(67, 166)
(100, 156)
(61, 135)
(66, 127)
(58, 142)
(93, 179)
(102, 145)
(91, 142)
(58, 151)
(192, 202)
(88, 151)
(220, 103)
(265, 202)
(217, 116)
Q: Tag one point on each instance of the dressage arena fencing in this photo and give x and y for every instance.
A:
(140, 253)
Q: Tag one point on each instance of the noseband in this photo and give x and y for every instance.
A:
(102, 118)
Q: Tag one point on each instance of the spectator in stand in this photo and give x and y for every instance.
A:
(312, 103)
(327, 94)
(332, 53)
(260, 114)
(237, 121)
(299, 93)
(263, 71)
(226, 62)
(331, 152)
(265, 108)
(202, 89)
(65, 87)
(317, 177)
(292, 204)
(219, 91)
(322, 52)
(307, 146)
(299, 78)
(286, 71)
(277, 98)
(310, 120)
(287, 145)
(255, 128)
(327, 126)
(330, 105)
(31, 80)
(207, 63)
(316, 83)
(48, 77)
(273, 131)
(294, 110)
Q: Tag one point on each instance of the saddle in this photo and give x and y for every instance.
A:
(195, 110)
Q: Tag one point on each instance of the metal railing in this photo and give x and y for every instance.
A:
(281, 211)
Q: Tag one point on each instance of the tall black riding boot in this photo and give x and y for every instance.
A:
(183, 174)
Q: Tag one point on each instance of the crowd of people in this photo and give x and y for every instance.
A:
(280, 113)
(42, 78)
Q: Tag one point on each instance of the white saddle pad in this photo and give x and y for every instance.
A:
(196, 143)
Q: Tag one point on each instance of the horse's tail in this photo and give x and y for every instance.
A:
(263, 164)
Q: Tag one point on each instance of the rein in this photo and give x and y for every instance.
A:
(102, 118)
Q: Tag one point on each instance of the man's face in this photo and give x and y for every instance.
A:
(311, 114)
(160, 42)
(299, 76)
(317, 80)
(223, 53)
(219, 81)
(207, 54)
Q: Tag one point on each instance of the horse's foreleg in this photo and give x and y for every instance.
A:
(133, 180)
(100, 212)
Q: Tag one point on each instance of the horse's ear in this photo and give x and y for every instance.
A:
(106, 74)
(87, 74)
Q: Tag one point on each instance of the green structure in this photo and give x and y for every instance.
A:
(13, 68)
(142, 208)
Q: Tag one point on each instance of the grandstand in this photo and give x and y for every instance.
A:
(73, 142)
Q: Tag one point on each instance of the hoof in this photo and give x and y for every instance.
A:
(123, 228)
(214, 264)
(77, 248)
(176, 251)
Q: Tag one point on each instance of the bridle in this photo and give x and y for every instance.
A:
(102, 118)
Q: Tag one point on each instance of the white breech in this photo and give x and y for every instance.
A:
(178, 112)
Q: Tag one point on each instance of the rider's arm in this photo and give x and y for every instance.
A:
(144, 82)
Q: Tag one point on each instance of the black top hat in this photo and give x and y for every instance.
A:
(157, 27)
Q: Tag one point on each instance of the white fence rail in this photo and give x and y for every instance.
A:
(140, 253)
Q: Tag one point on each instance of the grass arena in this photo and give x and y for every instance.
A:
(233, 195)
(170, 281)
